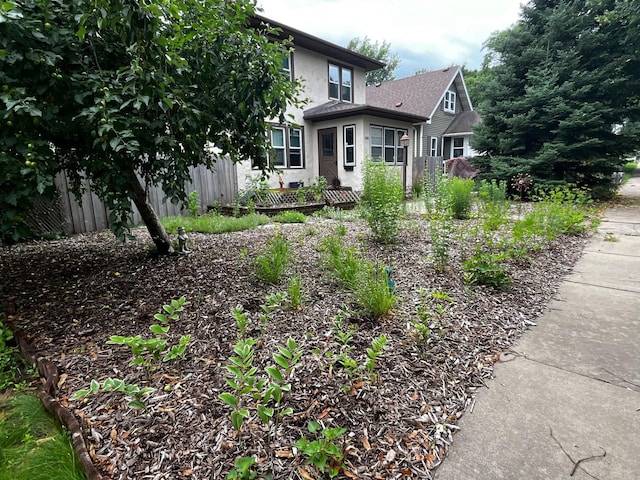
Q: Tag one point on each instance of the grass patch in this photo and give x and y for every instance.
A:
(290, 216)
(273, 259)
(214, 223)
(32, 444)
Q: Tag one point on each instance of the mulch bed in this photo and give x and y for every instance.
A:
(71, 295)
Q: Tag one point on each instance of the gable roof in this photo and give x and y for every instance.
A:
(463, 124)
(419, 94)
(316, 44)
(335, 109)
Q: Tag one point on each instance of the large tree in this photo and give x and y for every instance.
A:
(378, 51)
(564, 80)
(130, 94)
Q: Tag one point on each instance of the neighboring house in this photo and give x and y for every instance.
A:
(337, 130)
(441, 96)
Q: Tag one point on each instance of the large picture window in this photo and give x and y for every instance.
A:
(385, 144)
(340, 83)
(350, 146)
(286, 147)
(450, 101)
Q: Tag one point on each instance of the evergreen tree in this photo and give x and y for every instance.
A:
(564, 81)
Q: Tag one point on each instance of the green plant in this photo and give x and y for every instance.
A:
(301, 195)
(610, 237)
(295, 293)
(116, 385)
(215, 223)
(377, 347)
(341, 328)
(460, 191)
(243, 322)
(344, 263)
(273, 259)
(372, 290)
(494, 191)
(243, 470)
(318, 188)
(430, 314)
(290, 216)
(273, 301)
(485, 269)
(148, 351)
(381, 201)
(193, 204)
(251, 207)
(323, 452)
(10, 360)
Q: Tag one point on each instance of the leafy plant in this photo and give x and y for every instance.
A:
(485, 269)
(377, 347)
(273, 259)
(430, 313)
(243, 470)
(318, 188)
(323, 452)
(193, 205)
(148, 351)
(132, 391)
(381, 201)
(460, 190)
(295, 293)
(290, 216)
(341, 328)
(241, 316)
(10, 359)
(372, 290)
(301, 196)
(215, 223)
(344, 263)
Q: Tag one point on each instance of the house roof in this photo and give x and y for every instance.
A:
(335, 109)
(463, 124)
(315, 44)
(418, 95)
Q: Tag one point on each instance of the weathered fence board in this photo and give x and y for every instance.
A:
(89, 213)
(427, 167)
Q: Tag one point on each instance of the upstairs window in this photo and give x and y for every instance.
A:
(285, 68)
(450, 101)
(340, 83)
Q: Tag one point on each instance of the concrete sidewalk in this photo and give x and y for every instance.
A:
(571, 388)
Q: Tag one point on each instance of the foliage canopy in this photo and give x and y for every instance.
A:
(129, 94)
(562, 92)
(378, 51)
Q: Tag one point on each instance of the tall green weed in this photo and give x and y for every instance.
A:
(382, 199)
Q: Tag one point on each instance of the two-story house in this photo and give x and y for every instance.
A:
(337, 129)
(441, 96)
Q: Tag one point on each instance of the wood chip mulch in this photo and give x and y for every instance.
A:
(71, 295)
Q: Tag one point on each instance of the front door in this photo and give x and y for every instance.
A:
(327, 153)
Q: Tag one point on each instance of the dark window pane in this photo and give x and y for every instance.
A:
(294, 138)
(400, 155)
(346, 94)
(376, 152)
(327, 145)
(350, 156)
(295, 159)
(389, 153)
(458, 142)
(278, 159)
(333, 91)
(348, 135)
(389, 137)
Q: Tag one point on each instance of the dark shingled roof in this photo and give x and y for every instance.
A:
(417, 95)
(335, 109)
(463, 123)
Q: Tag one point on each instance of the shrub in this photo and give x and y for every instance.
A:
(290, 216)
(273, 259)
(492, 191)
(460, 191)
(381, 201)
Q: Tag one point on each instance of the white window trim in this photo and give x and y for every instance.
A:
(433, 147)
(347, 146)
(397, 133)
(340, 83)
(450, 101)
(286, 132)
(454, 148)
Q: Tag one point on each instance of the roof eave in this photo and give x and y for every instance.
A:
(366, 110)
(319, 45)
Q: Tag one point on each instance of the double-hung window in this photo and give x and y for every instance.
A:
(340, 83)
(286, 147)
(433, 147)
(385, 144)
(458, 147)
(450, 101)
(285, 67)
(349, 132)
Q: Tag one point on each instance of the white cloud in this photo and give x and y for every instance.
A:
(425, 33)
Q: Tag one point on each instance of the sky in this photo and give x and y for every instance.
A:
(429, 34)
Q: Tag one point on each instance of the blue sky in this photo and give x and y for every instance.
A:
(425, 33)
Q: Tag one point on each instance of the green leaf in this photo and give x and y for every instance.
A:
(159, 329)
(116, 340)
(95, 386)
(161, 317)
(80, 394)
(314, 426)
(275, 373)
(229, 399)
(137, 404)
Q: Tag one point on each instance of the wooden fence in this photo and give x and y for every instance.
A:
(427, 167)
(89, 213)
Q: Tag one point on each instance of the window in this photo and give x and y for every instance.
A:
(458, 147)
(450, 101)
(340, 83)
(286, 145)
(286, 65)
(385, 143)
(349, 146)
(433, 148)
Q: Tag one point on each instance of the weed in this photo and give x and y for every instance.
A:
(273, 259)
(290, 216)
(323, 452)
(132, 391)
(193, 204)
(485, 269)
(10, 360)
(295, 293)
(242, 469)
(372, 290)
(430, 315)
(610, 237)
(214, 223)
(377, 347)
(460, 190)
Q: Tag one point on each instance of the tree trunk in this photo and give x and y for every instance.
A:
(158, 234)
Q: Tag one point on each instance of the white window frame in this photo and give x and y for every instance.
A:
(433, 147)
(454, 148)
(450, 101)
(396, 146)
(342, 85)
(287, 148)
(287, 69)
(349, 146)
